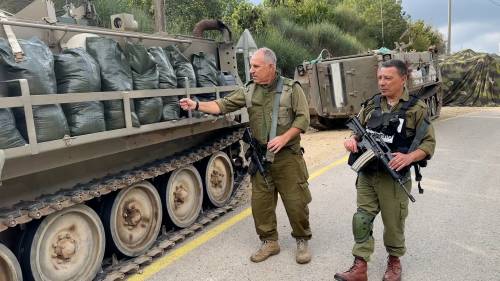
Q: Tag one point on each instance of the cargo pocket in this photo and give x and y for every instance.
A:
(284, 117)
(306, 193)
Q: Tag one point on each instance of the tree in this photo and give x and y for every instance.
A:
(422, 36)
(380, 13)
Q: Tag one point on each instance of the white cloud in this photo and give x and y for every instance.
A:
(478, 36)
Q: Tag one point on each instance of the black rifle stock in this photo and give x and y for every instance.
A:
(374, 146)
(256, 153)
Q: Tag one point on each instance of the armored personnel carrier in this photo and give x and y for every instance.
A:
(97, 205)
(336, 86)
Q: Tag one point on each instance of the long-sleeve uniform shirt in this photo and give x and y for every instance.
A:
(293, 110)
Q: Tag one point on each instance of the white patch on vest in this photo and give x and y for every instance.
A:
(383, 137)
(400, 127)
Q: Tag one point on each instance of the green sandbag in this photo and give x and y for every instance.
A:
(168, 80)
(145, 76)
(167, 77)
(182, 67)
(206, 72)
(226, 79)
(38, 68)
(116, 75)
(9, 135)
(77, 72)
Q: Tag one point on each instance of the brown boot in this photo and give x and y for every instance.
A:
(303, 255)
(267, 249)
(357, 272)
(394, 269)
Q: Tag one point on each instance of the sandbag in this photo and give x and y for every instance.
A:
(9, 135)
(226, 80)
(182, 67)
(77, 72)
(38, 68)
(206, 72)
(50, 122)
(116, 75)
(145, 76)
(168, 80)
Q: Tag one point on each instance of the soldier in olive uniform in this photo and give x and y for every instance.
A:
(402, 122)
(287, 174)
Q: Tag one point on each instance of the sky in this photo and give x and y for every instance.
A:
(475, 23)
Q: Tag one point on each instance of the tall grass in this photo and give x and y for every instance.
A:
(289, 53)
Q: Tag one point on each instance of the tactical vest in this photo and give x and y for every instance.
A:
(392, 128)
(285, 114)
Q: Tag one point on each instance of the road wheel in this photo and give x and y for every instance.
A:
(219, 179)
(183, 196)
(67, 245)
(9, 267)
(133, 218)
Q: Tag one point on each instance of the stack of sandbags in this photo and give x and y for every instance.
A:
(183, 69)
(145, 76)
(76, 72)
(167, 80)
(38, 68)
(116, 75)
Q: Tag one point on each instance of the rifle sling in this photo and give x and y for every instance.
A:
(276, 107)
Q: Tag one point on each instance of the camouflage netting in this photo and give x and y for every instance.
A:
(471, 79)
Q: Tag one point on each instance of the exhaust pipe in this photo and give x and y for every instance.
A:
(204, 25)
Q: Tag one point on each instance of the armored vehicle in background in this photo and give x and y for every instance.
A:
(336, 87)
(69, 203)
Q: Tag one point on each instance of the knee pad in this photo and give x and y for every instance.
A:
(362, 225)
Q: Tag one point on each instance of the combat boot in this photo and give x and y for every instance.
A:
(303, 255)
(267, 249)
(394, 269)
(357, 272)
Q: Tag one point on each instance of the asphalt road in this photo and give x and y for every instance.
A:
(452, 232)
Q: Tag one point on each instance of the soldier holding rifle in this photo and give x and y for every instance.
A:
(401, 121)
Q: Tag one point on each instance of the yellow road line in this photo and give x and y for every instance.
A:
(163, 262)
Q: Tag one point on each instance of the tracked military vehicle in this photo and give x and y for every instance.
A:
(336, 86)
(98, 205)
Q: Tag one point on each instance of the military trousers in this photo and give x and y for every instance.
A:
(287, 176)
(377, 193)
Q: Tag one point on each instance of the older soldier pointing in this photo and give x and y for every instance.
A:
(270, 96)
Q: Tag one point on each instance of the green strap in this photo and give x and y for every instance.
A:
(276, 107)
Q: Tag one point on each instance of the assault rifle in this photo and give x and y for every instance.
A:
(372, 147)
(256, 155)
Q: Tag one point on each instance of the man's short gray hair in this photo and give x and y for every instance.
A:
(269, 55)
